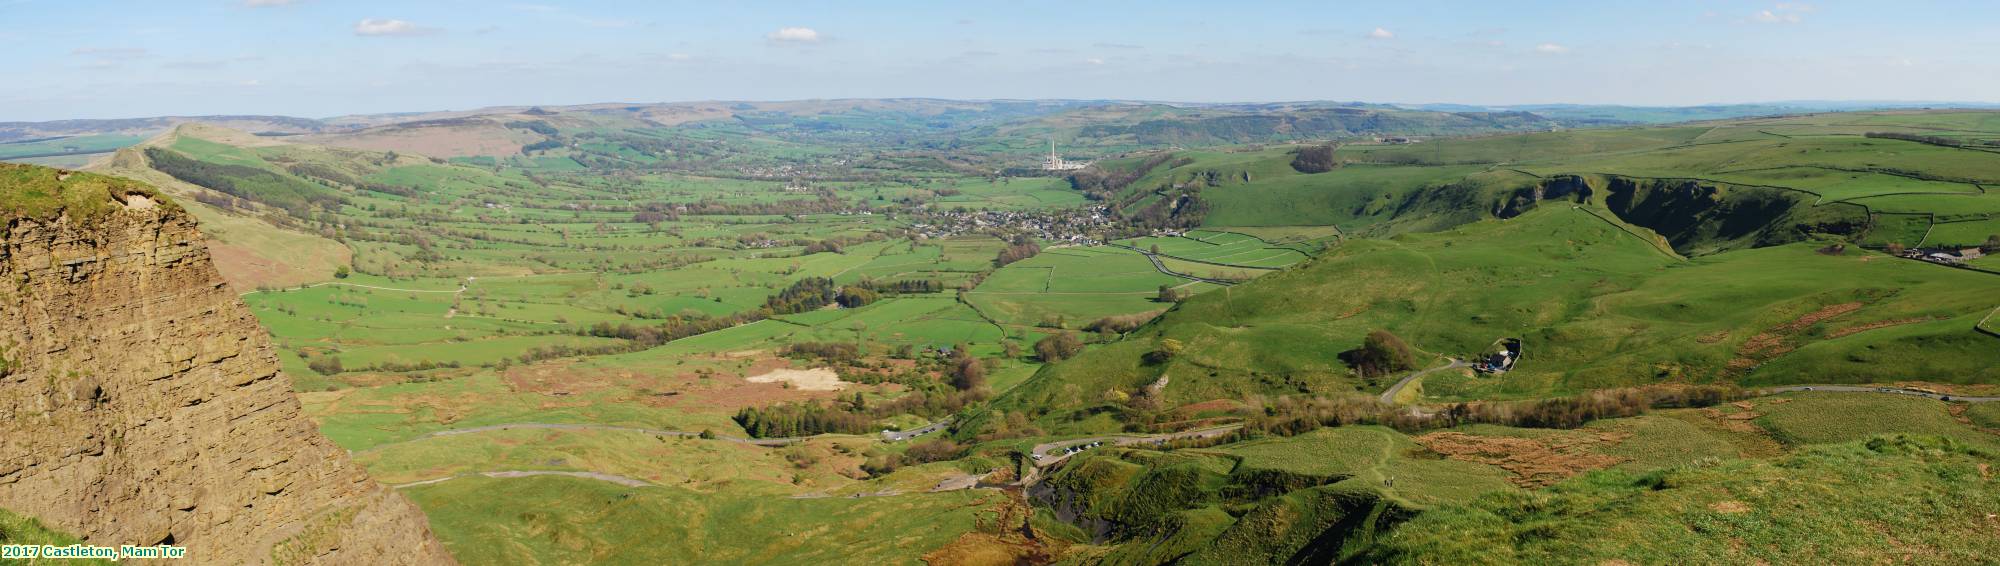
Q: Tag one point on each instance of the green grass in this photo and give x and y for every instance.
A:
(1828, 418)
(549, 520)
(1884, 500)
(1596, 306)
(17, 529)
(40, 193)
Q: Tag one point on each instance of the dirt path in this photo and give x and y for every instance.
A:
(617, 479)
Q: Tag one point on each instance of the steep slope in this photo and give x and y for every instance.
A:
(140, 403)
(252, 248)
(1598, 303)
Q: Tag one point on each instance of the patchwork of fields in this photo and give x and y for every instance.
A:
(598, 332)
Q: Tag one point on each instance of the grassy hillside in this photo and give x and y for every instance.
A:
(1597, 305)
(1887, 499)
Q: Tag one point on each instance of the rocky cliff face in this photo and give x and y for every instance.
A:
(140, 403)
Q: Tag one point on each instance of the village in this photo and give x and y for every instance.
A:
(1076, 226)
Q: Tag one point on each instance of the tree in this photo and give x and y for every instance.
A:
(340, 272)
(1315, 159)
(1058, 347)
(326, 365)
(969, 374)
(1895, 248)
(1168, 295)
(1992, 245)
(1380, 353)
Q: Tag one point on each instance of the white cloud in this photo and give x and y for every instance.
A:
(389, 27)
(269, 3)
(679, 56)
(252, 83)
(1094, 61)
(1381, 33)
(1551, 48)
(1784, 13)
(795, 35)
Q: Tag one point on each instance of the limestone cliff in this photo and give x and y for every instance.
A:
(140, 403)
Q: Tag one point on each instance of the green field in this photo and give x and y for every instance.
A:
(699, 276)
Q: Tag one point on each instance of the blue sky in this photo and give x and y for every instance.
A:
(318, 58)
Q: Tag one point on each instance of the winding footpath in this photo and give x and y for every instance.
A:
(620, 480)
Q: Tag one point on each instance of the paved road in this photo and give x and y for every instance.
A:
(651, 431)
(1163, 267)
(1047, 453)
(1390, 395)
(461, 288)
(898, 436)
(1879, 389)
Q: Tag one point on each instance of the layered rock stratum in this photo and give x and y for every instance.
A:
(140, 402)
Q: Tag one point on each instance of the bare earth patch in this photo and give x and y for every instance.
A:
(1534, 463)
(815, 379)
(1730, 507)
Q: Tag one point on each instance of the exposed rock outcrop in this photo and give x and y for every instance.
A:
(140, 402)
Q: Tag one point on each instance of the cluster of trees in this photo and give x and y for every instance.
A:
(536, 126)
(329, 365)
(670, 328)
(544, 145)
(326, 365)
(1288, 416)
(968, 373)
(805, 295)
(293, 195)
(1119, 324)
(904, 286)
(1059, 346)
(851, 415)
(1098, 183)
(1315, 159)
(802, 419)
(1381, 353)
(1017, 251)
(822, 246)
(813, 293)
(829, 351)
